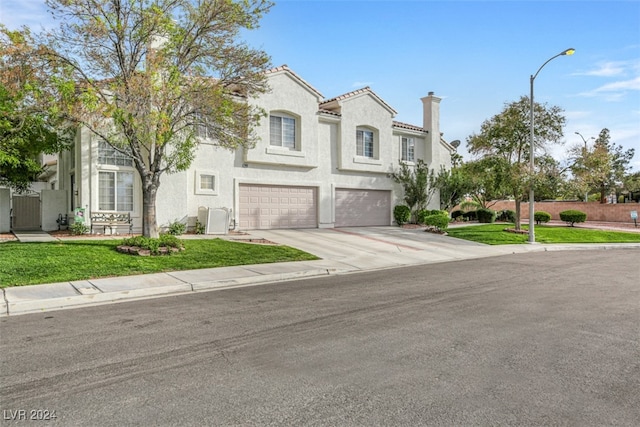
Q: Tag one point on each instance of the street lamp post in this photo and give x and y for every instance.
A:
(532, 233)
(586, 194)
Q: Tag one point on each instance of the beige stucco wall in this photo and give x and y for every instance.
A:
(326, 160)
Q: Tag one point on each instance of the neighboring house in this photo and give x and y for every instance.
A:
(318, 163)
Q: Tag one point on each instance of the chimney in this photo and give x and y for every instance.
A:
(431, 123)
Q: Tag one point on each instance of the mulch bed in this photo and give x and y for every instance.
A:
(136, 250)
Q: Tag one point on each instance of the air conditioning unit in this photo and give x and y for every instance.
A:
(215, 220)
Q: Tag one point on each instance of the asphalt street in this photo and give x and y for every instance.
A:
(544, 338)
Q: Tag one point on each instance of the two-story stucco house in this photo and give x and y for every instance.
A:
(318, 163)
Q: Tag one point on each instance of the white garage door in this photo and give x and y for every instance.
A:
(362, 207)
(264, 207)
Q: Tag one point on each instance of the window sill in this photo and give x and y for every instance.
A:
(367, 161)
(279, 151)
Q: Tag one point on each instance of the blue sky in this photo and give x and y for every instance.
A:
(475, 55)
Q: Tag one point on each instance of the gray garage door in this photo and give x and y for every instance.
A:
(362, 207)
(264, 207)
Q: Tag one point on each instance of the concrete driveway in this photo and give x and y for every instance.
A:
(366, 248)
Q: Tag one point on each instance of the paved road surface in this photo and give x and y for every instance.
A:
(546, 338)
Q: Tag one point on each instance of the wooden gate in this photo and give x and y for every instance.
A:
(25, 213)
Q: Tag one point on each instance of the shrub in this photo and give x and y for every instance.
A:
(200, 229)
(542, 216)
(176, 228)
(470, 216)
(401, 214)
(440, 221)
(486, 216)
(456, 214)
(506, 215)
(78, 228)
(573, 216)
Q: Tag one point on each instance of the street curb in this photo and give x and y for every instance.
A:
(86, 293)
(8, 308)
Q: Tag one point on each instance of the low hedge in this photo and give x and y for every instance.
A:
(506, 215)
(402, 214)
(440, 221)
(541, 216)
(422, 215)
(572, 216)
(486, 216)
(470, 216)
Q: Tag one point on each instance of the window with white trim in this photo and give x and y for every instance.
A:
(408, 149)
(107, 155)
(365, 145)
(204, 129)
(282, 131)
(206, 182)
(115, 191)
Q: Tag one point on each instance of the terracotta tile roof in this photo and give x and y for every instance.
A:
(285, 68)
(330, 112)
(356, 92)
(408, 126)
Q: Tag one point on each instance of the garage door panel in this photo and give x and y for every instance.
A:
(355, 207)
(265, 207)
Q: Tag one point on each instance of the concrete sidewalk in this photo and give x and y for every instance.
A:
(342, 251)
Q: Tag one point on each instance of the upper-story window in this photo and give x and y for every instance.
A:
(282, 131)
(204, 129)
(115, 179)
(408, 149)
(365, 144)
(107, 155)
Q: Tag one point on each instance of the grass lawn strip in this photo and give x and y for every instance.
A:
(37, 263)
(494, 234)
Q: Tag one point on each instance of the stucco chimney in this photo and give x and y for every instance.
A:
(431, 122)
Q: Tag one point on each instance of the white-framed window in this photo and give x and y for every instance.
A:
(206, 182)
(115, 191)
(365, 143)
(283, 131)
(107, 155)
(203, 127)
(408, 149)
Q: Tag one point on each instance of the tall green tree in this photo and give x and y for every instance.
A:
(631, 184)
(28, 127)
(415, 184)
(486, 180)
(453, 184)
(506, 137)
(144, 76)
(550, 181)
(604, 167)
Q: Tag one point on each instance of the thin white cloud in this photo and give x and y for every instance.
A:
(614, 91)
(606, 69)
(624, 85)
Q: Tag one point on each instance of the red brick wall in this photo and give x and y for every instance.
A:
(620, 212)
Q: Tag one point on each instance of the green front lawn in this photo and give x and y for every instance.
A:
(35, 263)
(493, 234)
